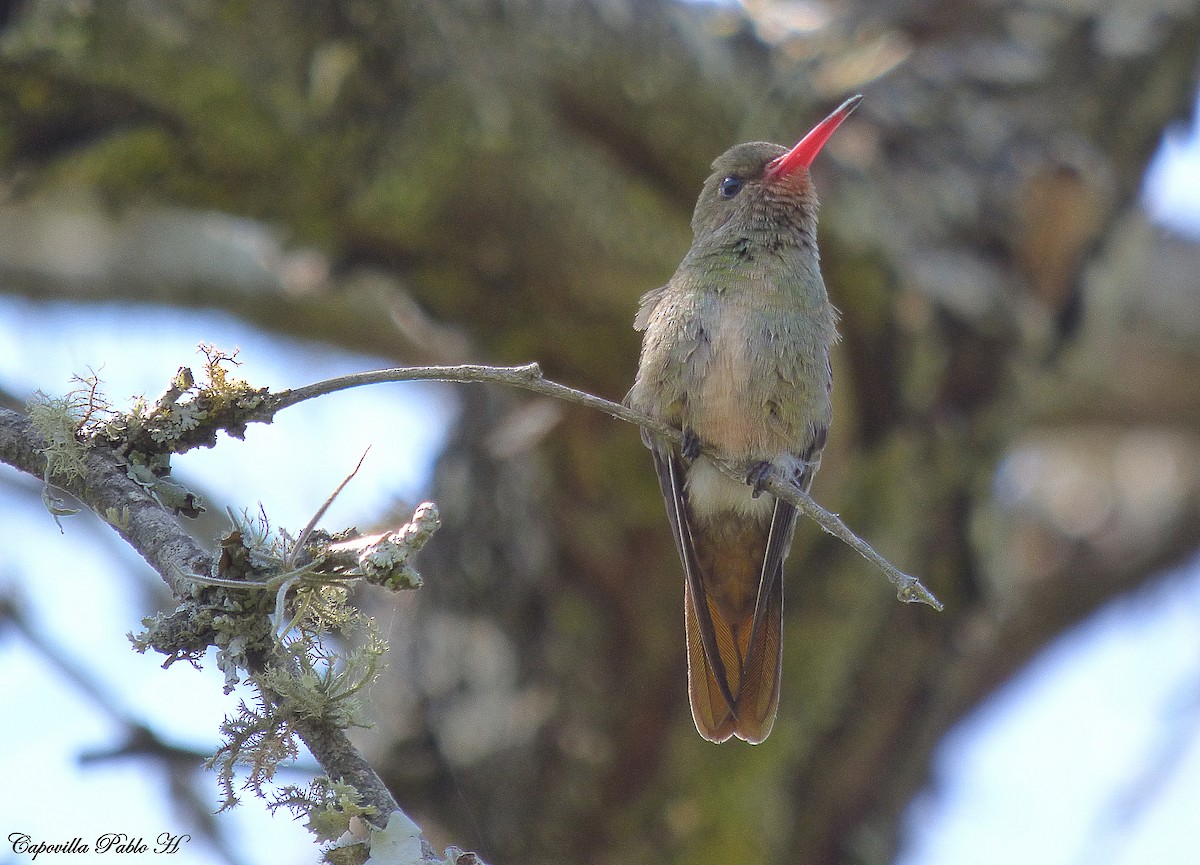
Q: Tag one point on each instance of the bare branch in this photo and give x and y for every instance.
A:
(529, 377)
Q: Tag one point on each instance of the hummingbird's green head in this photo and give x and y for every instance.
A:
(764, 190)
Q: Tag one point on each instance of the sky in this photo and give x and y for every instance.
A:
(1172, 185)
(1090, 756)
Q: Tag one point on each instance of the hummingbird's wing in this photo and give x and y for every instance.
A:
(733, 604)
(779, 541)
(760, 690)
(758, 697)
(699, 621)
(734, 647)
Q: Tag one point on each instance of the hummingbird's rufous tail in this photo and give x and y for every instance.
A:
(733, 606)
(733, 681)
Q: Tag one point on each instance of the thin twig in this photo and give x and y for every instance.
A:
(289, 560)
(909, 589)
(529, 377)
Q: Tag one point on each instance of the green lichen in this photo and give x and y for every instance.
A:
(328, 806)
(276, 611)
(277, 606)
(258, 739)
(64, 422)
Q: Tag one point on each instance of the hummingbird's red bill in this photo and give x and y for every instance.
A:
(803, 154)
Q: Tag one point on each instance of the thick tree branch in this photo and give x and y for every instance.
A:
(107, 489)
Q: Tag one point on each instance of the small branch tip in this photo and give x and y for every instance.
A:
(911, 591)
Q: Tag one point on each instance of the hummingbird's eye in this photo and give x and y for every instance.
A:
(730, 187)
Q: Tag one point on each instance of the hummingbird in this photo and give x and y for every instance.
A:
(735, 354)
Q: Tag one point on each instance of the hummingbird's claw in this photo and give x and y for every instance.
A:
(690, 447)
(757, 477)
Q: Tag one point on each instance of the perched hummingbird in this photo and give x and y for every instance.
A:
(736, 355)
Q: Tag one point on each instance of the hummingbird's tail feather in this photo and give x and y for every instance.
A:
(754, 666)
(707, 687)
(734, 614)
(758, 685)
(733, 609)
(762, 636)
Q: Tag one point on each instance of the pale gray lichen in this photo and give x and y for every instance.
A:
(276, 606)
(384, 559)
(272, 609)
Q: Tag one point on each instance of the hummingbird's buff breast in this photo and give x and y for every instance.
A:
(746, 370)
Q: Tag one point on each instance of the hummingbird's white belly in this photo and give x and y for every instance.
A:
(711, 493)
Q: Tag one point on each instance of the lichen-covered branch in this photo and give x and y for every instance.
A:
(105, 486)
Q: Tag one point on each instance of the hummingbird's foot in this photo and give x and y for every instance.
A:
(690, 447)
(757, 477)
